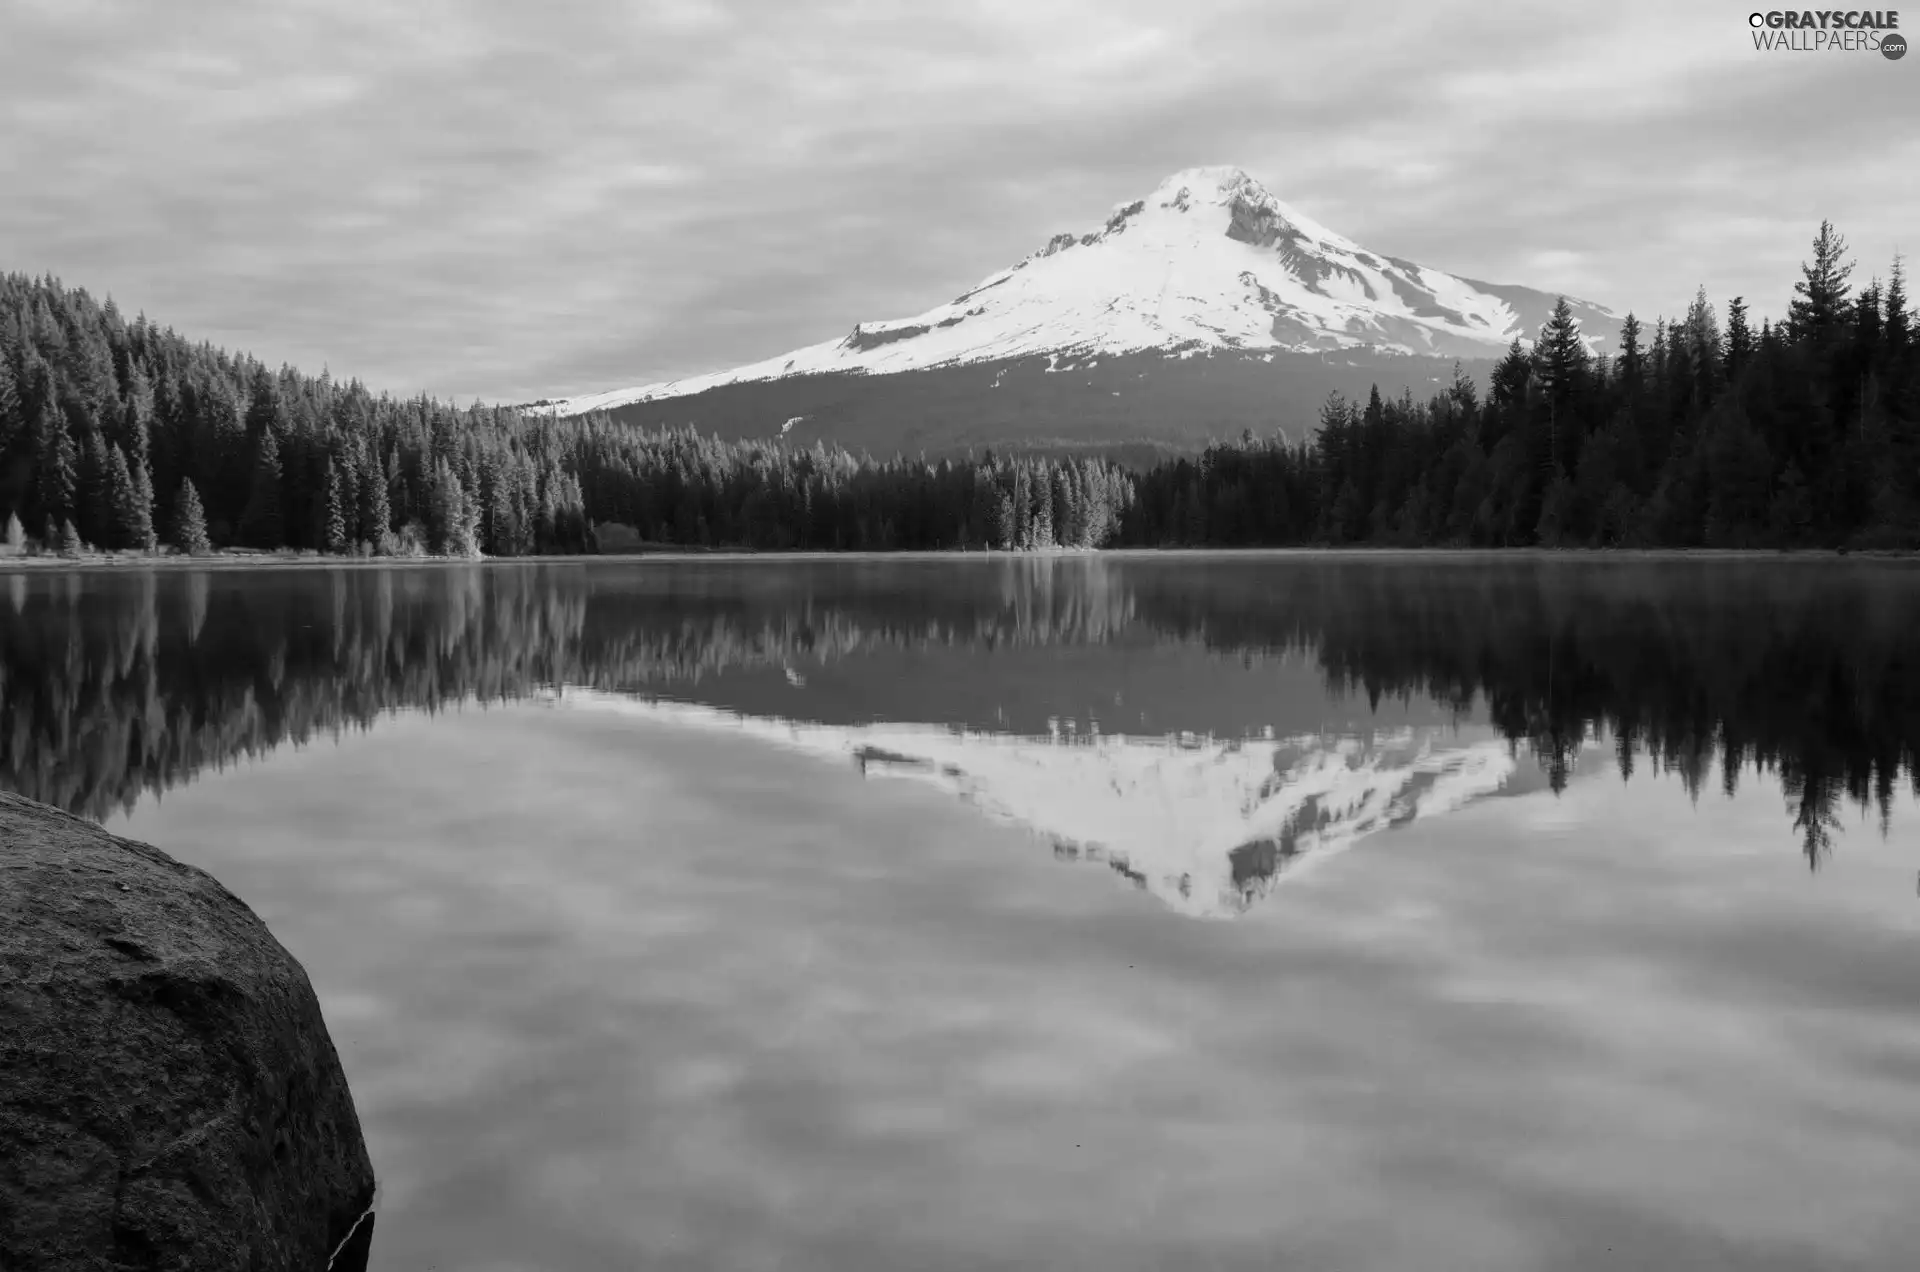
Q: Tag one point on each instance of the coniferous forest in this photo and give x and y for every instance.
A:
(1702, 431)
(1698, 433)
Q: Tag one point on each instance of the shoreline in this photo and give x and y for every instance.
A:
(269, 561)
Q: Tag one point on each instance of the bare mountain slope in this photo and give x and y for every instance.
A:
(1206, 307)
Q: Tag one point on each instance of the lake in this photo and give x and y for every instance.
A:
(1103, 912)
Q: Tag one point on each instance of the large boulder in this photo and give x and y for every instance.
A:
(169, 1098)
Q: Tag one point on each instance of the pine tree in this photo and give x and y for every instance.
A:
(1820, 296)
(333, 536)
(140, 514)
(545, 531)
(501, 525)
(467, 530)
(1068, 520)
(266, 413)
(93, 495)
(1739, 337)
(56, 464)
(573, 511)
(123, 514)
(1001, 521)
(137, 412)
(261, 525)
(16, 534)
(1706, 353)
(1632, 363)
(1561, 357)
(1897, 327)
(376, 513)
(1042, 516)
(70, 545)
(452, 515)
(190, 522)
(1507, 392)
(1867, 320)
(346, 464)
(1022, 507)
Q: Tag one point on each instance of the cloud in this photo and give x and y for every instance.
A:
(484, 200)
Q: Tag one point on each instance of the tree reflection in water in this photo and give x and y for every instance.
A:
(116, 683)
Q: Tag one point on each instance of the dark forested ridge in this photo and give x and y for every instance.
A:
(114, 684)
(1702, 431)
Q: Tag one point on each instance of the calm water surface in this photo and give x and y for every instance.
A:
(1104, 913)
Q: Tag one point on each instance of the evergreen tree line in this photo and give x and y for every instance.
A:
(1700, 434)
(123, 435)
(115, 684)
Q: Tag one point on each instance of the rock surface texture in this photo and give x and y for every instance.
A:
(169, 1097)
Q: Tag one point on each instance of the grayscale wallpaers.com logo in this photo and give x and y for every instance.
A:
(1829, 31)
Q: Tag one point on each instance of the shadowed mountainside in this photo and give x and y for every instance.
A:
(1137, 407)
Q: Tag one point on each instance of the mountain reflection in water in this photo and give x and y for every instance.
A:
(1491, 670)
(1205, 825)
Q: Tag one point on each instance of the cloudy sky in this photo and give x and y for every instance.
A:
(510, 200)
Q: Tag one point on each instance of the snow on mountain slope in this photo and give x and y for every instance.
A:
(1206, 825)
(1209, 261)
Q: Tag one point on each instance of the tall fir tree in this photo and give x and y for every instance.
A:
(1706, 352)
(56, 464)
(190, 522)
(266, 412)
(136, 411)
(452, 520)
(93, 496)
(333, 536)
(132, 502)
(1632, 363)
(122, 528)
(261, 522)
(139, 519)
(1820, 297)
(376, 513)
(1739, 337)
(1561, 356)
(1899, 314)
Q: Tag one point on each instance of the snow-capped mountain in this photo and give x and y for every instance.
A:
(1208, 266)
(1208, 826)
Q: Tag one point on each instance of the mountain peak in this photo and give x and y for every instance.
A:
(1209, 262)
(1253, 210)
(1225, 179)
